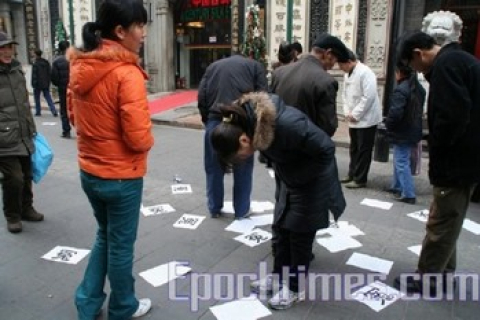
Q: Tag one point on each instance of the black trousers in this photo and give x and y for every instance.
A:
(62, 93)
(361, 148)
(293, 252)
(16, 187)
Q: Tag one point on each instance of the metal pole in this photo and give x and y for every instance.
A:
(72, 25)
(289, 20)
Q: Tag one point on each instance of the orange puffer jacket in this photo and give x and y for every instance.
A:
(107, 101)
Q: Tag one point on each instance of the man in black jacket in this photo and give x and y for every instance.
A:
(224, 81)
(454, 150)
(60, 78)
(41, 83)
(17, 129)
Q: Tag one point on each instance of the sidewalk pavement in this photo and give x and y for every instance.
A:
(188, 116)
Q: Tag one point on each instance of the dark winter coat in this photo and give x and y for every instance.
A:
(17, 127)
(226, 80)
(303, 157)
(454, 118)
(41, 74)
(60, 72)
(306, 86)
(404, 119)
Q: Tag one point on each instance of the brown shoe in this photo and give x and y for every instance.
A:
(14, 227)
(32, 215)
(355, 185)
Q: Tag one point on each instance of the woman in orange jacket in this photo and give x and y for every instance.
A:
(108, 106)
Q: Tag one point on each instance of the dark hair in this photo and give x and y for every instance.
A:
(63, 46)
(404, 69)
(38, 52)
(416, 40)
(111, 14)
(285, 53)
(297, 47)
(225, 137)
(352, 56)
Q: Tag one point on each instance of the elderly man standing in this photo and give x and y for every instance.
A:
(454, 152)
(363, 113)
(17, 129)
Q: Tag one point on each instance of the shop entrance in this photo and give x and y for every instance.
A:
(201, 58)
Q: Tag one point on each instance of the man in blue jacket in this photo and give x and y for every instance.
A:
(224, 81)
(454, 150)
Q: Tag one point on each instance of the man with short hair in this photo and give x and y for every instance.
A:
(17, 129)
(60, 78)
(363, 113)
(297, 50)
(41, 83)
(224, 81)
(454, 152)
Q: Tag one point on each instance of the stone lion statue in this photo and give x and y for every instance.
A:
(444, 26)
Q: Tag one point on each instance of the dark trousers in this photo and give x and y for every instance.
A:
(62, 93)
(16, 187)
(445, 221)
(47, 96)
(361, 148)
(293, 252)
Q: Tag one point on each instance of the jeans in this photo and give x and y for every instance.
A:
(48, 97)
(242, 179)
(402, 172)
(116, 206)
(62, 93)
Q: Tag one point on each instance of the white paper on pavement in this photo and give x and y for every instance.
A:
(67, 255)
(188, 221)
(228, 207)
(262, 220)
(377, 295)
(261, 206)
(181, 188)
(241, 226)
(244, 309)
(364, 261)
(337, 243)
(271, 173)
(49, 123)
(421, 215)
(416, 249)
(164, 273)
(471, 226)
(342, 228)
(377, 204)
(254, 237)
(157, 210)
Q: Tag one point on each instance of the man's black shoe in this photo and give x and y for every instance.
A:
(414, 285)
(406, 200)
(66, 135)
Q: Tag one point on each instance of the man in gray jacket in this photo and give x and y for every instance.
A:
(17, 129)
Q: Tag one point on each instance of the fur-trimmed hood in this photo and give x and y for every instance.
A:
(88, 68)
(266, 113)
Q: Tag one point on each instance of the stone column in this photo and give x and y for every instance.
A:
(161, 44)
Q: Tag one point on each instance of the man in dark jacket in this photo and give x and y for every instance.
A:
(41, 83)
(454, 150)
(224, 81)
(306, 85)
(17, 129)
(60, 77)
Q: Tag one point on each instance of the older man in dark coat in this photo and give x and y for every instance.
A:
(17, 129)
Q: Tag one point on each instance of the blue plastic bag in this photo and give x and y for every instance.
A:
(42, 157)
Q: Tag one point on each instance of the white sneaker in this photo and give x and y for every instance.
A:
(267, 285)
(144, 306)
(285, 299)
